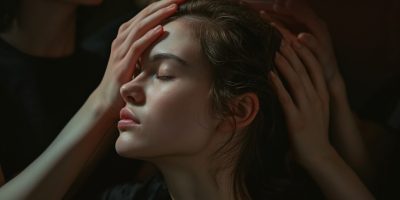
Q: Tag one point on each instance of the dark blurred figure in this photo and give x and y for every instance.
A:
(45, 76)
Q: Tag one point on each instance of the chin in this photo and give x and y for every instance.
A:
(122, 147)
(125, 147)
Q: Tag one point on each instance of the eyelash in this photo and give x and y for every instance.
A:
(164, 78)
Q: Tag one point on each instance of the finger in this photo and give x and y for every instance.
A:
(284, 98)
(320, 50)
(280, 6)
(267, 17)
(291, 56)
(302, 12)
(323, 51)
(139, 46)
(295, 84)
(161, 8)
(287, 35)
(314, 69)
(140, 28)
(152, 8)
(146, 24)
(310, 42)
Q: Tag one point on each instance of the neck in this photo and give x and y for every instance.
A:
(43, 28)
(192, 180)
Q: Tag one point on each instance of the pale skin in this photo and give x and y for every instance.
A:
(83, 135)
(154, 97)
(180, 140)
(89, 129)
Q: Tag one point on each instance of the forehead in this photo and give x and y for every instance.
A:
(179, 40)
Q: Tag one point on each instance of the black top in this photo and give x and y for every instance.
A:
(38, 97)
(152, 189)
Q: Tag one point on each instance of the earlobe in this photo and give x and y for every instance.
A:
(245, 108)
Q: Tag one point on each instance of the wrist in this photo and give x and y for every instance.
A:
(102, 106)
(320, 158)
(337, 90)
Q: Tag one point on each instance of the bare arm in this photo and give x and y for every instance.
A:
(50, 175)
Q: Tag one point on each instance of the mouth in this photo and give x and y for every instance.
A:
(127, 119)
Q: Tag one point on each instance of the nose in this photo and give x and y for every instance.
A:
(132, 92)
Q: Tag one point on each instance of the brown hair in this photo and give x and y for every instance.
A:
(240, 47)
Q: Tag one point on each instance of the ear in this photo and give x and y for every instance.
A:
(245, 108)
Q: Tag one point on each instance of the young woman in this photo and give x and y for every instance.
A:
(198, 104)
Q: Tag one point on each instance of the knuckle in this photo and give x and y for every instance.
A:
(134, 49)
(115, 43)
(122, 27)
(140, 24)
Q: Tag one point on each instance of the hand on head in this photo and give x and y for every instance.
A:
(305, 101)
(305, 61)
(298, 18)
(133, 38)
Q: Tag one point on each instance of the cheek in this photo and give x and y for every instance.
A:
(181, 112)
(180, 119)
(176, 121)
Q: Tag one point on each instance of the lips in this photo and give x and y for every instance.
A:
(127, 119)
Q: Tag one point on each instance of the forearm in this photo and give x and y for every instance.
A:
(336, 179)
(50, 175)
(346, 136)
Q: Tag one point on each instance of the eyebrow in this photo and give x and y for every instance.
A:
(167, 56)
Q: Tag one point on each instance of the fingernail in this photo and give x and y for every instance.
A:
(158, 28)
(304, 37)
(272, 74)
(172, 7)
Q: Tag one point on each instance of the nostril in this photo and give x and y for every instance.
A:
(132, 92)
(131, 99)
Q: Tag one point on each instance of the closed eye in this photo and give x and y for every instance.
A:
(164, 77)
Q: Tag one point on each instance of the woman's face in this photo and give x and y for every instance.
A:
(167, 110)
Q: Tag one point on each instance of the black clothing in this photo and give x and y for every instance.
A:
(152, 189)
(38, 97)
